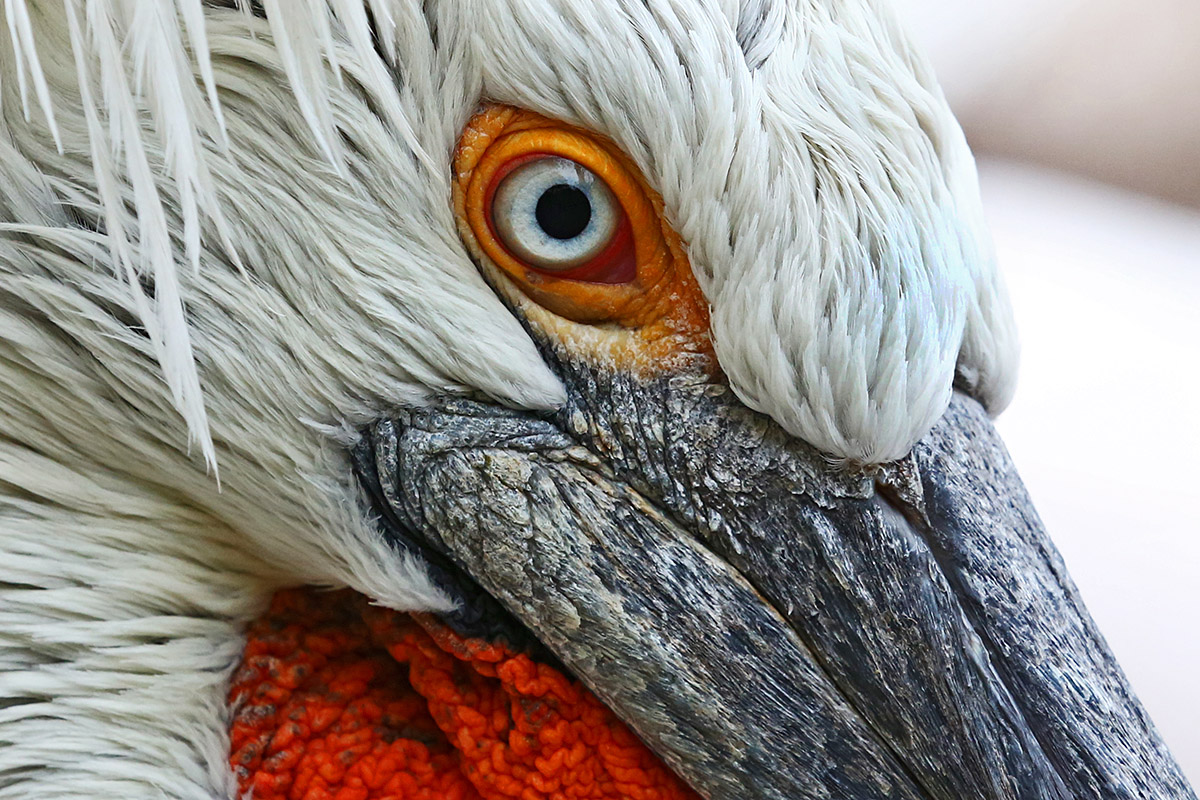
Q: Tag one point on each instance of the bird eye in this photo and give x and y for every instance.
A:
(565, 217)
(554, 214)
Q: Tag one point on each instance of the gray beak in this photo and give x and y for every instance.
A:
(770, 624)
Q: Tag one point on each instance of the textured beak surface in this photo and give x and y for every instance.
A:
(772, 625)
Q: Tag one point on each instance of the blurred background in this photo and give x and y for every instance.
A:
(1085, 117)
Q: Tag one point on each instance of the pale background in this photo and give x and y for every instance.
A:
(1085, 115)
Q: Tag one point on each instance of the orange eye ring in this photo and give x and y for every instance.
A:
(640, 283)
(495, 142)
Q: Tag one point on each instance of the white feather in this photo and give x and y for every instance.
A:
(299, 37)
(25, 49)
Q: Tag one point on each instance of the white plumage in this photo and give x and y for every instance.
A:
(226, 240)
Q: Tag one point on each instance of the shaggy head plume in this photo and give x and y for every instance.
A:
(809, 162)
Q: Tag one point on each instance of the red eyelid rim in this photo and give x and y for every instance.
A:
(615, 264)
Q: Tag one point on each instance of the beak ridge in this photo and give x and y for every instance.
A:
(1016, 592)
(773, 626)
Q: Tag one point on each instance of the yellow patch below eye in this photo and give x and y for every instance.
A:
(635, 304)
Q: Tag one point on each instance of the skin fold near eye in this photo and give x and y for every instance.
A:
(632, 298)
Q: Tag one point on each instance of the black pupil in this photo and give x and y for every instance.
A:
(563, 211)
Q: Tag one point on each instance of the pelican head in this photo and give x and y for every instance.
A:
(658, 337)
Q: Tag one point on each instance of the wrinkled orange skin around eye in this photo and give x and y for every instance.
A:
(662, 310)
(337, 699)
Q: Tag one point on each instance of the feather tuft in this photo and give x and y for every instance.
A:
(133, 57)
(25, 47)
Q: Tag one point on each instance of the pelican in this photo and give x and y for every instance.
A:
(647, 346)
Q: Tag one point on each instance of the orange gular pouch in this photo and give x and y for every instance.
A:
(341, 700)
